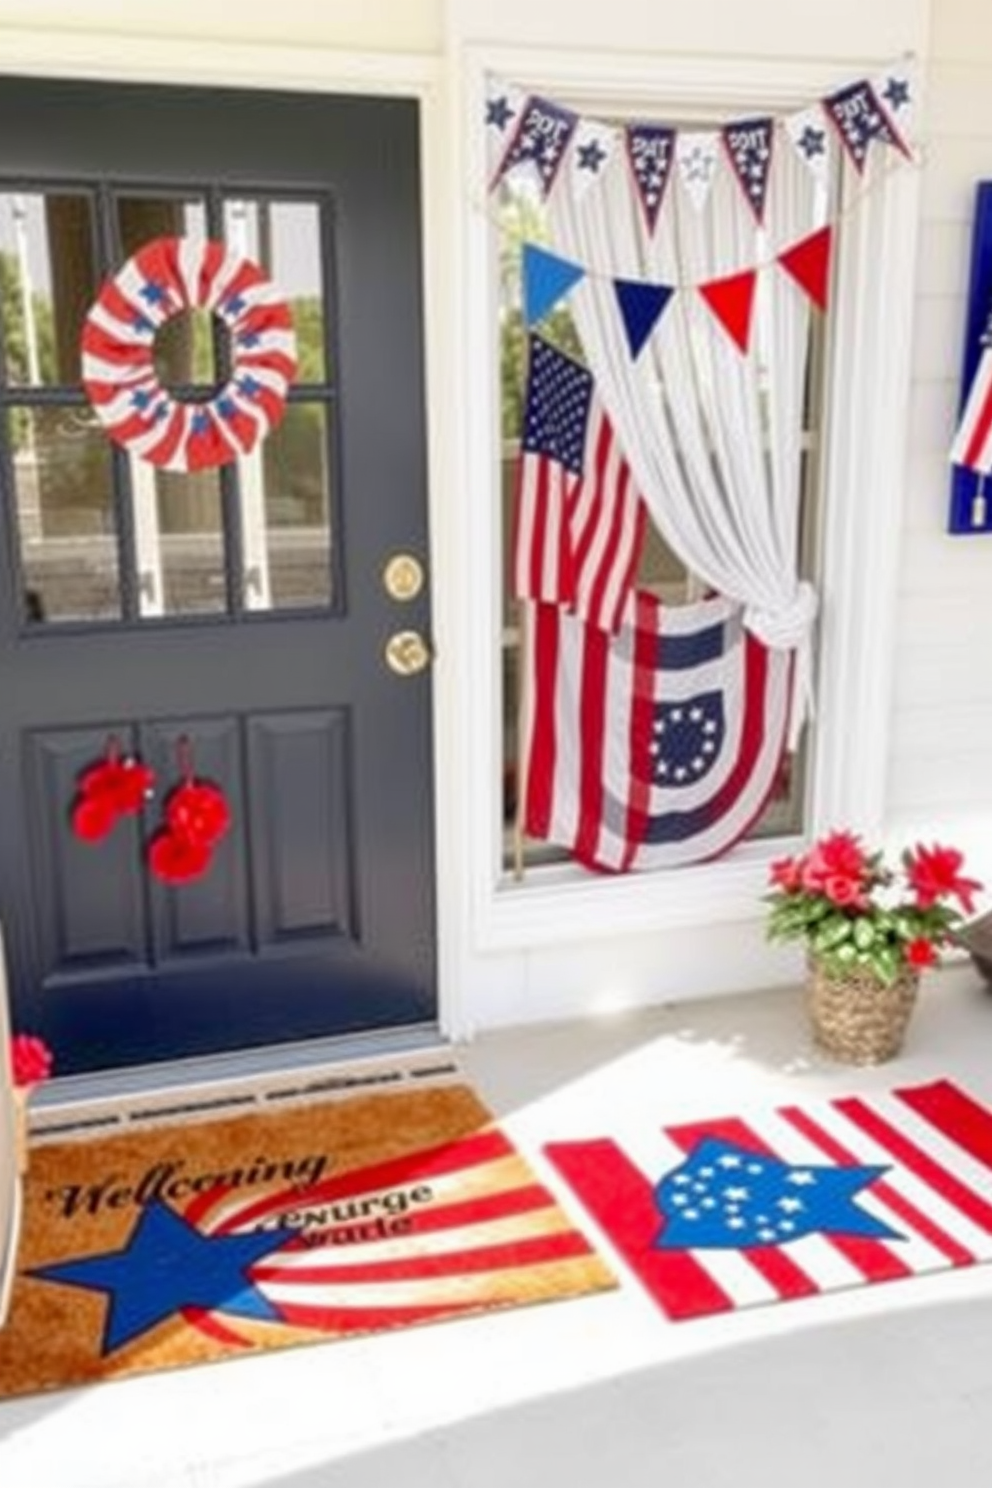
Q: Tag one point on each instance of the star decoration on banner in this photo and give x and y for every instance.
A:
(896, 93)
(591, 156)
(166, 1266)
(696, 160)
(812, 142)
(498, 112)
(728, 1197)
(686, 739)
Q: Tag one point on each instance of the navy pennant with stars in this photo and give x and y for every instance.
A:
(540, 140)
(749, 146)
(728, 1197)
(859, 119)
(651, 151)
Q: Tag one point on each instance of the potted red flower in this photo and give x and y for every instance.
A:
(869, 930)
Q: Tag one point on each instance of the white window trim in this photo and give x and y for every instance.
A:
(867, 399)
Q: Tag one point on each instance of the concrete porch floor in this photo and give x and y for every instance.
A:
(877, 1386)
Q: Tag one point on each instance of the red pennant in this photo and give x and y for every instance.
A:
(732, 300)
(809, 264)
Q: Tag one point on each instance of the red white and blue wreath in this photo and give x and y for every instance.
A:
(166, 277)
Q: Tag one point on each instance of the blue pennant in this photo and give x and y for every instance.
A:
(547, 279)
(165, 1266)
(729, 1197)
(642, 306)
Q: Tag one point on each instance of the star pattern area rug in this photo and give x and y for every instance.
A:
(711, 1216)
(203, 1240)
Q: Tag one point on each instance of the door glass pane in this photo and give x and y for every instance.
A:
(185, 345)
(285, 514)
(179, 541)
(283, 237)
(63, 491)
(48, 281)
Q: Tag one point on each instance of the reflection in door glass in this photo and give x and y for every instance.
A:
(284, 238)
(47, 283)
(184, 346)
(63, 492)
(179, 541)
(285, 514)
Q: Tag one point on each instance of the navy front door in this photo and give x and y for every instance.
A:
(232, 624)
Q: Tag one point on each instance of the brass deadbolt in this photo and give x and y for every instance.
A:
(403, 576)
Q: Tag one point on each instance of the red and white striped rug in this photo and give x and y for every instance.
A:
(794, 1202)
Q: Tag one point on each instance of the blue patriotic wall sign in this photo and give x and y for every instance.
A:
(655, 746)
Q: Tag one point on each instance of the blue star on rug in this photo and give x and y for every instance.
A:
(165, 1266)
(727, 1197)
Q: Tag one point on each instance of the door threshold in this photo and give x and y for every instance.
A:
(223, 1083)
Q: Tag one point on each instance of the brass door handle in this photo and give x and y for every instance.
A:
(407, 653)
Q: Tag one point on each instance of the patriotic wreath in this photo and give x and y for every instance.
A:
(164, 278)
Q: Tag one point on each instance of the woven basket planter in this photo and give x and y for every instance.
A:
(856, 1018)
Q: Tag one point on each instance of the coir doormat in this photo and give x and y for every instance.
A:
(201, 1240)
(716, 1215)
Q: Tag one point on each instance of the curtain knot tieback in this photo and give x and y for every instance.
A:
(789, 627)
(786, 626)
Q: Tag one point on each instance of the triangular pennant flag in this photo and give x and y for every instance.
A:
(503, 104)
(748, 143)
(696, 158)
(860, 118)
(732, 300)
(642, 306)
(592, 151)
(808, 262)
(539, 141)
(811, 139)
(895, 89)
(650, 149)
(547, 279)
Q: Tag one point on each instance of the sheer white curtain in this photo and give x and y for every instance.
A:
(713, 437)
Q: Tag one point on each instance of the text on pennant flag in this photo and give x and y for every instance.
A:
(650, 150)
(749, 147)
(539, 141)
(859, 119)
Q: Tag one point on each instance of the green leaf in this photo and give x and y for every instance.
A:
(864, 934)
(833, 932)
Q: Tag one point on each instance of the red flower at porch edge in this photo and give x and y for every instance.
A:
(933, 874)
(30, 1060)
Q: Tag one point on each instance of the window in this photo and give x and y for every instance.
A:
(102, 535)
(865, 378)
(520, 217)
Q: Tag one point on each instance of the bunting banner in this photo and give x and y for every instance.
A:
(650, 150)
(656, 746)
(537, 134)
(749, 148)
(549, 278)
